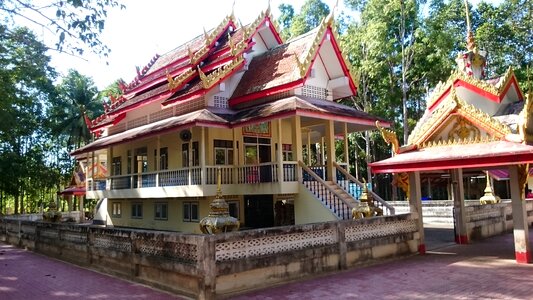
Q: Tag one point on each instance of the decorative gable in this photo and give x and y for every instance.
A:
(454, 121)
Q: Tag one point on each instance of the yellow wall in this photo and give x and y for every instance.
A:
(307, 209)
(174, 221)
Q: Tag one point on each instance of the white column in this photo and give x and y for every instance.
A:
(297, 144)
(461, 233)
(202, 154)
(158, 160)
(330, 150)
(280, 153)
(415, 204)
(522, 246)
(346, 150)
(309, 147)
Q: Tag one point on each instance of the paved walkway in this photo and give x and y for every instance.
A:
(483, 270)
(25, 275)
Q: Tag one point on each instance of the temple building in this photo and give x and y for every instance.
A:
(240, 100)
(471, 125)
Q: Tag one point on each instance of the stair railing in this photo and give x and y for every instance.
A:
(378, 201)
(329, 197)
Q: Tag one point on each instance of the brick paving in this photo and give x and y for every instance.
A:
(27, 275)
(482, 270)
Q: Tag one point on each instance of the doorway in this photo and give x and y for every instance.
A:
(259, 211)
(257, 152)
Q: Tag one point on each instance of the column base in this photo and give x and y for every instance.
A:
(523, 257)
(461, 239)
(422, 249)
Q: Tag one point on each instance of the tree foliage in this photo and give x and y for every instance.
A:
(76, 23)
(401, 49)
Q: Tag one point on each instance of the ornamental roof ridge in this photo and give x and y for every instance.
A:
(209, 80)
(432, 118)
(499, 130)
(484, 85)
(305, 64)
(176, 82)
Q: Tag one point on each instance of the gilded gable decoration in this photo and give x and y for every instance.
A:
(497, 129)
(464, 130)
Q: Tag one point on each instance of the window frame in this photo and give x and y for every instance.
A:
(138, 211)
(164, 211)
(188, 215)
(116, 209)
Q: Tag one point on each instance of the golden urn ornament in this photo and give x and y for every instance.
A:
(489, 197)
(219, 220)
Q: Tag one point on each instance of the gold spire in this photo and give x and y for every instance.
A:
(470, 42)
(219, 182)
(489, 197)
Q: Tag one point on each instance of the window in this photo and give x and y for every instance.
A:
(116, 210)
(116, 166)
(163, 158)
(223, 152)
(195, 154)
(287, 152)
(185, 155)
(129, 161)
(233, 207)
(141, 160)
(161, 210)
(190, 211)
(136, 210)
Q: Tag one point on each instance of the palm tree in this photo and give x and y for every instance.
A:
(77, 96)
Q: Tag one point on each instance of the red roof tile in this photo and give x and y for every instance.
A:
(275, 67)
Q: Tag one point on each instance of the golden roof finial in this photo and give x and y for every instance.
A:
(470, 42)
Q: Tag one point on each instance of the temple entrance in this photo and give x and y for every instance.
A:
(257, 153)
(259, 211)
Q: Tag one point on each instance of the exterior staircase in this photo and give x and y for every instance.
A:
(332, 196)
(336, 195)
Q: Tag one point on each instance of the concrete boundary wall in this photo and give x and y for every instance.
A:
(208, 267)
(482, 221)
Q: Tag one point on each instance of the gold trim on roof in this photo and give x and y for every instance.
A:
(481, 84)
(209, 38)
(176, 82)
(211, 79)
(198, 55)
(421, 130)
(455, 141)
(493, 126)
(306, 63)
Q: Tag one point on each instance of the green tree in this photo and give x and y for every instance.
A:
(77, 96)
(26, 85)
(506, 32)
(310, 16)
(77, 24)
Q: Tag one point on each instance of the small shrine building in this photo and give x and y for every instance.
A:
(475, 124)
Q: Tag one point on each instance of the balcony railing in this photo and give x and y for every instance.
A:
(260, 173)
